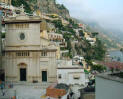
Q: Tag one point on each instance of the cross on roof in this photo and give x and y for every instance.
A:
(22, 8)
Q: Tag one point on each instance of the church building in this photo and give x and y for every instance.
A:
(28, 56)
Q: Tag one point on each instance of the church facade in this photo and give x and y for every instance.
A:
(28, 56)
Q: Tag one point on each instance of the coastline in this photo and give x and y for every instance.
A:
(116, 54)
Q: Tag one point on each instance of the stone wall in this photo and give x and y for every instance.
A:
(85, 95)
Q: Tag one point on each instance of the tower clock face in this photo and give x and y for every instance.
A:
(22, 36)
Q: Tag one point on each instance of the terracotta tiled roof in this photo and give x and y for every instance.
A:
(56, 90)
(113, 64)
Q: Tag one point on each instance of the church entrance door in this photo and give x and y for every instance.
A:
(22, 74)
(44, 76)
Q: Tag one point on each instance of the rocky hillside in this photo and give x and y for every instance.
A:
(45, 6)
(50, 6)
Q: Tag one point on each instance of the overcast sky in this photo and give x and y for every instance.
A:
(108, 13)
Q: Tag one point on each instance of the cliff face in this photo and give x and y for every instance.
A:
(50, 6)
(45, 6)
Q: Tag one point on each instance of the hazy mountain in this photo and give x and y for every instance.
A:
(112, 37)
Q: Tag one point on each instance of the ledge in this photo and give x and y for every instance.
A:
(108, 76)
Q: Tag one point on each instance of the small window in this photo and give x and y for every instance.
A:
(22, 25)
(22, 36)
(19, 54)
(76, 76)
(3, 53)
(43, 53)
(22, 53)
(87, 66)
(25, 53)
(59, 76)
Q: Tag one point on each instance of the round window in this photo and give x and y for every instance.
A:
(22, 36)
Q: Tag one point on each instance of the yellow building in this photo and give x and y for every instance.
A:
(92, 40)
(58, 55)
(86, 66)
(86, 35)
(43, 30)
(43, 34)
(6, 1)
(64, 22)
(53, 15)
(55, 37)
(38, 13)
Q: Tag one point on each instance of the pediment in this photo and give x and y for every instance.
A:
(22, 17)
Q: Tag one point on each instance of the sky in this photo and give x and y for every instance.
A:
(108, 13)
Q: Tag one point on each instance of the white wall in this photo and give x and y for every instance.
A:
(108, 89)
(67, 76)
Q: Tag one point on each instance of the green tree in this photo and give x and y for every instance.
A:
(99, 68)
(96, 52)
(3, 35)
(69, 47)
(58, 24)
(75, 26)
(95, 34)
(121, 50)
(99, 50)
(81, 33)
(18, 3)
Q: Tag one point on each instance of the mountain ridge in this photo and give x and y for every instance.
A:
(108, 36)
